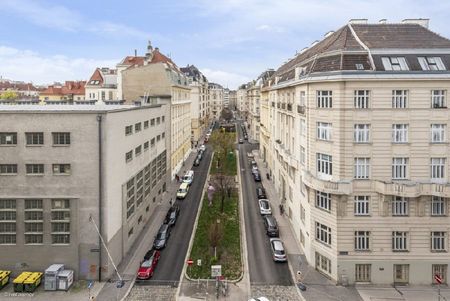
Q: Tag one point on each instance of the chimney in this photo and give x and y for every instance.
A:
(357, 21)
(135, 52)
(421, 22)
(382, 21)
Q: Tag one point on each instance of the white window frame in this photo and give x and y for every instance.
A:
(400, 206)
(438, 99)
(400, 133)
(324, 166)
(324, 98)
(362, 205)
(438, 166)
(362, 241)
(323, 233)
(361, 133)
(323, 200)
(363, 272)
(324, 131)
(438, 206)
(362, 168)
(438, 241)
(362, 99)
(438, 134)
(400, 241)
(431, 63)
(395, 63)
(399, 99)
(400, 168)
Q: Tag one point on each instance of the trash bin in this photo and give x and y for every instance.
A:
(4, 278)
(51, 274)
(65, 280)
(32, 282)
(19, 285)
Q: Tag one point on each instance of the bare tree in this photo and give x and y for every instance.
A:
(222, 143)
(215, 234)
(225, 185)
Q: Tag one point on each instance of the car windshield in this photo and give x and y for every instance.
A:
(181, 190)
(264, 204)
(161, 235)
(147, 263)
(186, 178)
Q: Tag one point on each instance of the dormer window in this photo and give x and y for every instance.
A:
(431, 63)
(394, 63)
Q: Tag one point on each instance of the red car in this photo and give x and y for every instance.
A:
(148, 266)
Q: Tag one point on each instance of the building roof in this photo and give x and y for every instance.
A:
(67, 108)
(102, 77)
(19, 86)
(133, 60)
(69, 88)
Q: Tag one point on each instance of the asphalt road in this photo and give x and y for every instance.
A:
(263, 270)
(173, 256)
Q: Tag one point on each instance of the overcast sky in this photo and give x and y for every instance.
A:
(231, 42)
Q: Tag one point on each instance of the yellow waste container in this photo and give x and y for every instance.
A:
(4, 278)
(32, 282)
(19, 281)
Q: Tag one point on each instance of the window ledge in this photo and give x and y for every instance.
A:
(34, 145)
(438, 251)
(8, 174)
(61, 145)
(362, 215)
(8, 145)
(362, 143)
(62, 174)
(35, 175)
(400, 143)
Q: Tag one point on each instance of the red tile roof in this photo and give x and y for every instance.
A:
(70, 87)
(133, 60)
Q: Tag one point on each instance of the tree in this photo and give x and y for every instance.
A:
(8, 95)
(215, 234)
(225, 185)
(222, 143)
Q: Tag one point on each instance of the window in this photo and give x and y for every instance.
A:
(152, 142)
(399, 99)
(34, 138)
(303, 127)
(438, 99)
(438, 241)
(431, 63)
(152, 122)
(324, 99)
(440, 270)
(438, 206)
(362, 133)
(138, 150)
(7, 222)
(163, 135)
(34, 221)
(130, 232)
(158, 120)
(8, 169)
(130, 197)
(394, 63)
(302, 155)
(146, 124)
(362, 240)
(323, 264)
(128, 130)
(137, 127)
(361, 99)
(163, 119)
(362, 168)
(362, 272)
(399, 241)
(323, 200)
(158, 138)
(303, 98)
(61, 138)
(146, 144)
(324, 131)
(361, 205)
(35, 169)
(129, 156)
(324, 164)
(60, 221)
(437, 168)
(400, 133)
(8, 138)
(400, 206)
(400, 168)
(323, 233)
(438, 133)
(61, 169)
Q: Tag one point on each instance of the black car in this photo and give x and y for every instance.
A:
(162, 237)
(197, 161)
(271, 226)
(172, 216)
(200, 155)
(261, 193)
(149, 254)
(257, 176)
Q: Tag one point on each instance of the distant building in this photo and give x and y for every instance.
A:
(63, 167)
(63, 94)
(232, 100)
(216, 99)
(102, 86)
(226, 98)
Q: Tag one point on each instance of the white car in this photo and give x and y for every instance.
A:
(259, 299)
(202, 147)
(188, 177)
(264, 207)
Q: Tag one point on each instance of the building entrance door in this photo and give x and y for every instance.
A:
(401, 274)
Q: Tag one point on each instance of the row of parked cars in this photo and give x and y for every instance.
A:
(255, 171)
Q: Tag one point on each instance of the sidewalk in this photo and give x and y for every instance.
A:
(318, 286)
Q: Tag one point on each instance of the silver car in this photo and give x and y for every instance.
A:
(278, 252)
(264, 207)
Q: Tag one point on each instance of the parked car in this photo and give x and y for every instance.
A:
(182, 191)
(260, 192)
(188, 177)
(148, 266)
(161, 238)
(172, 215)
(253, 164)
(278, 252)
(264, 207)
(271, 226)
(200, 155)
(245, 137)
(257, 176)
(241, 141)
(203, 147)
(197, 161)
(149, 254)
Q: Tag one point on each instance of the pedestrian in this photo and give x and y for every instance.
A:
(281, 209)
(177, 178)
(170, 202)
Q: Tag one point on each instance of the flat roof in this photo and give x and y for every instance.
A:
(71, 108)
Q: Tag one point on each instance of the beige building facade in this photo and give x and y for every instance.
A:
(358, 150)
(216, 93)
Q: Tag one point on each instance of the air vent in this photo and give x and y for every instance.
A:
(343, 252)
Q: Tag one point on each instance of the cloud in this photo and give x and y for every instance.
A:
(224, 78)
(105, 27)
(27, 65)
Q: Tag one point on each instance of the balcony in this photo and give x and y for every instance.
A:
(326, 186)
(411, 189)
(301, 110)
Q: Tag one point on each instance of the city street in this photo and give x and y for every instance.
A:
(263, 270)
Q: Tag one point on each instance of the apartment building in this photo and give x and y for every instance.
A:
(216, 93)
(63, 94)
(233, 100)
(66, 170)
(102, 86)
(241, 99)
(156, 78)
(199, 101)
(358, 149)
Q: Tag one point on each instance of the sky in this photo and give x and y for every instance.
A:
(231, 42)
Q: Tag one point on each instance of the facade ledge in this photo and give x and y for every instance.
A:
(412, 189)
(343, 188)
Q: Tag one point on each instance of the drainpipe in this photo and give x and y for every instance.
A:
(100, 195)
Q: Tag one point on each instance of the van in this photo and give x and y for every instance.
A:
(188, 177)
(182, 191)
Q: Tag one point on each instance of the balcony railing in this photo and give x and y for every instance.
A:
(412, 190)
(301, 110)
(327, 186)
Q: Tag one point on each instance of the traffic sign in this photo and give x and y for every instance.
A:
(438, 279)
(190, 262)
(199, 262)
(216, 271)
